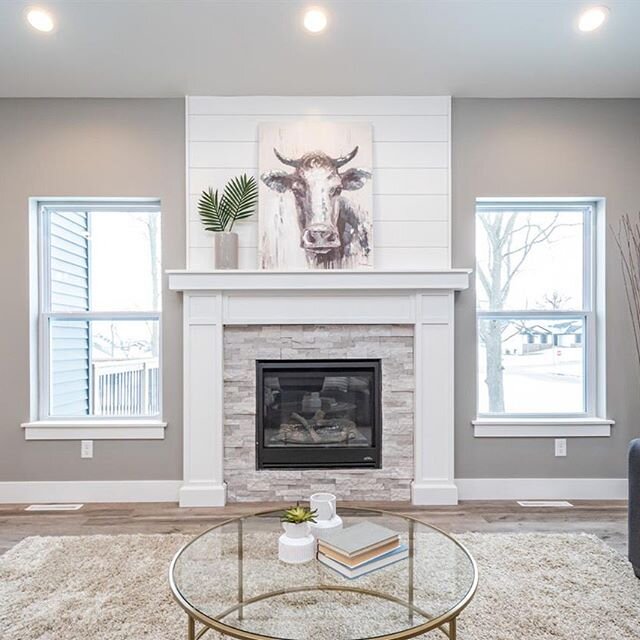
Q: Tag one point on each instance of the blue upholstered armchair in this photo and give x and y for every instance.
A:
(634, 505)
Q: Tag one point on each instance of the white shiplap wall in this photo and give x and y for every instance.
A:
(411, 162)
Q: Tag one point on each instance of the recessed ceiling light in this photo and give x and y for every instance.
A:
(40, 19)
(315, 20)
(593, 18)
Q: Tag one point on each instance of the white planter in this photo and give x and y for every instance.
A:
(225, 250)
(296, 545)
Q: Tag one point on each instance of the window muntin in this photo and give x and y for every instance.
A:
(100, 303)
(535, 321)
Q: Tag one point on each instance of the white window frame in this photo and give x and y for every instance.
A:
(590, 422)
(41, 425)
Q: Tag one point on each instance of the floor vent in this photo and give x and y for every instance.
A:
(544, 503)
(54, 507)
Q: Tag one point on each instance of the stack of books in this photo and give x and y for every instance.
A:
(359, 549)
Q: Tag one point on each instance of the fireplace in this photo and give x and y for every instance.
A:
(318, 414)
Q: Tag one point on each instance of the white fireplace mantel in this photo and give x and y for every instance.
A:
(422, 298)
(245, 280)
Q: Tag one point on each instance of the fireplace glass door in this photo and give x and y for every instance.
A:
(318, 414)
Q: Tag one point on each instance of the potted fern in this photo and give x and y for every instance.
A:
(220, 212)
(296, 544)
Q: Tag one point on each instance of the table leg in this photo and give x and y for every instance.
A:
(240, 569)
(191, 628)
(453, 632)
(411, 553)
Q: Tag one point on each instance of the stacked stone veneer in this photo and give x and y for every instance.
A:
(243, 345)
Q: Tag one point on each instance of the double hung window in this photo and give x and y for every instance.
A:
(536, 320)
(99, 310)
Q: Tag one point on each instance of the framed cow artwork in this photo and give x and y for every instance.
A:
(316, 199)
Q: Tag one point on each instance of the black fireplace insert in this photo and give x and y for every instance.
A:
(318, 414)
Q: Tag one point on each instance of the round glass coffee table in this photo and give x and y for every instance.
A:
(229, 579)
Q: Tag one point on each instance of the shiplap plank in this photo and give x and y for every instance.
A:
(385, 234)
(410, 234)
(410, 257)
(384, 258)
(320, 105)
(202, 179)
(223, 154)
(389, 207)
(385, 128)
(385, 181)
(385, 154)
(399, 207)
(411, 154)
(410, 181)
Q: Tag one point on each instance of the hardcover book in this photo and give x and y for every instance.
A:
(359, 538)
(384, 560)
(360, 558)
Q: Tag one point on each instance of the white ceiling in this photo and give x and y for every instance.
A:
(158, 48)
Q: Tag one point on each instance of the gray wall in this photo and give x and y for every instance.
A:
(86, 148)
(546, 148)
(136, 148)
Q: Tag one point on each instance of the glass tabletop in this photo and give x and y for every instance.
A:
(230, 579)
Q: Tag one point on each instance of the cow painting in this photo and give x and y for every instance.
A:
(315, 222)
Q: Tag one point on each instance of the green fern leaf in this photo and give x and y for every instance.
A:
(239, 198)
(210, 211)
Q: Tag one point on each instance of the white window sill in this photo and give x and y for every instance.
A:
(541, 427)
(94, 430)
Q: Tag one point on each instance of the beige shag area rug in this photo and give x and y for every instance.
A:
(532, 587)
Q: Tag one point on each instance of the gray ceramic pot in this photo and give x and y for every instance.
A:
(225, 250)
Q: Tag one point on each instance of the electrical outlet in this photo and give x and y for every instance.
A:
(86, 448)
(561, 447)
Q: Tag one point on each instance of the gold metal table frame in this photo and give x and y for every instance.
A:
(445, 622)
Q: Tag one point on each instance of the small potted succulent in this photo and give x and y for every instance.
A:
(220, 212)
(296, 544)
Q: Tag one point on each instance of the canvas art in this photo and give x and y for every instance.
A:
(315, 206)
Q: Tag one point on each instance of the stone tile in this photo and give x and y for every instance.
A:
(393, 344)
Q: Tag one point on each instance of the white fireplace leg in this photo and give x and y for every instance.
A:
(434, 425)
(203, 422)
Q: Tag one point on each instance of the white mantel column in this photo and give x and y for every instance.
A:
(203, 425)
(434, 424)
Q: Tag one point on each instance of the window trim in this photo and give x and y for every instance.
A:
(587, 423)
(42, 426)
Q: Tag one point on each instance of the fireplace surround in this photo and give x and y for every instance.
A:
(219, 305)
(318, 414)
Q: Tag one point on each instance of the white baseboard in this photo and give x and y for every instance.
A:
(424, 493)
(203, 495)
(91, 491)
(542, 488)
(193, 495)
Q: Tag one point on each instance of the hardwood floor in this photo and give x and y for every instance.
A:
(608, 520)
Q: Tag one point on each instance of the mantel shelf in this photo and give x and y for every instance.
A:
(257, 280)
